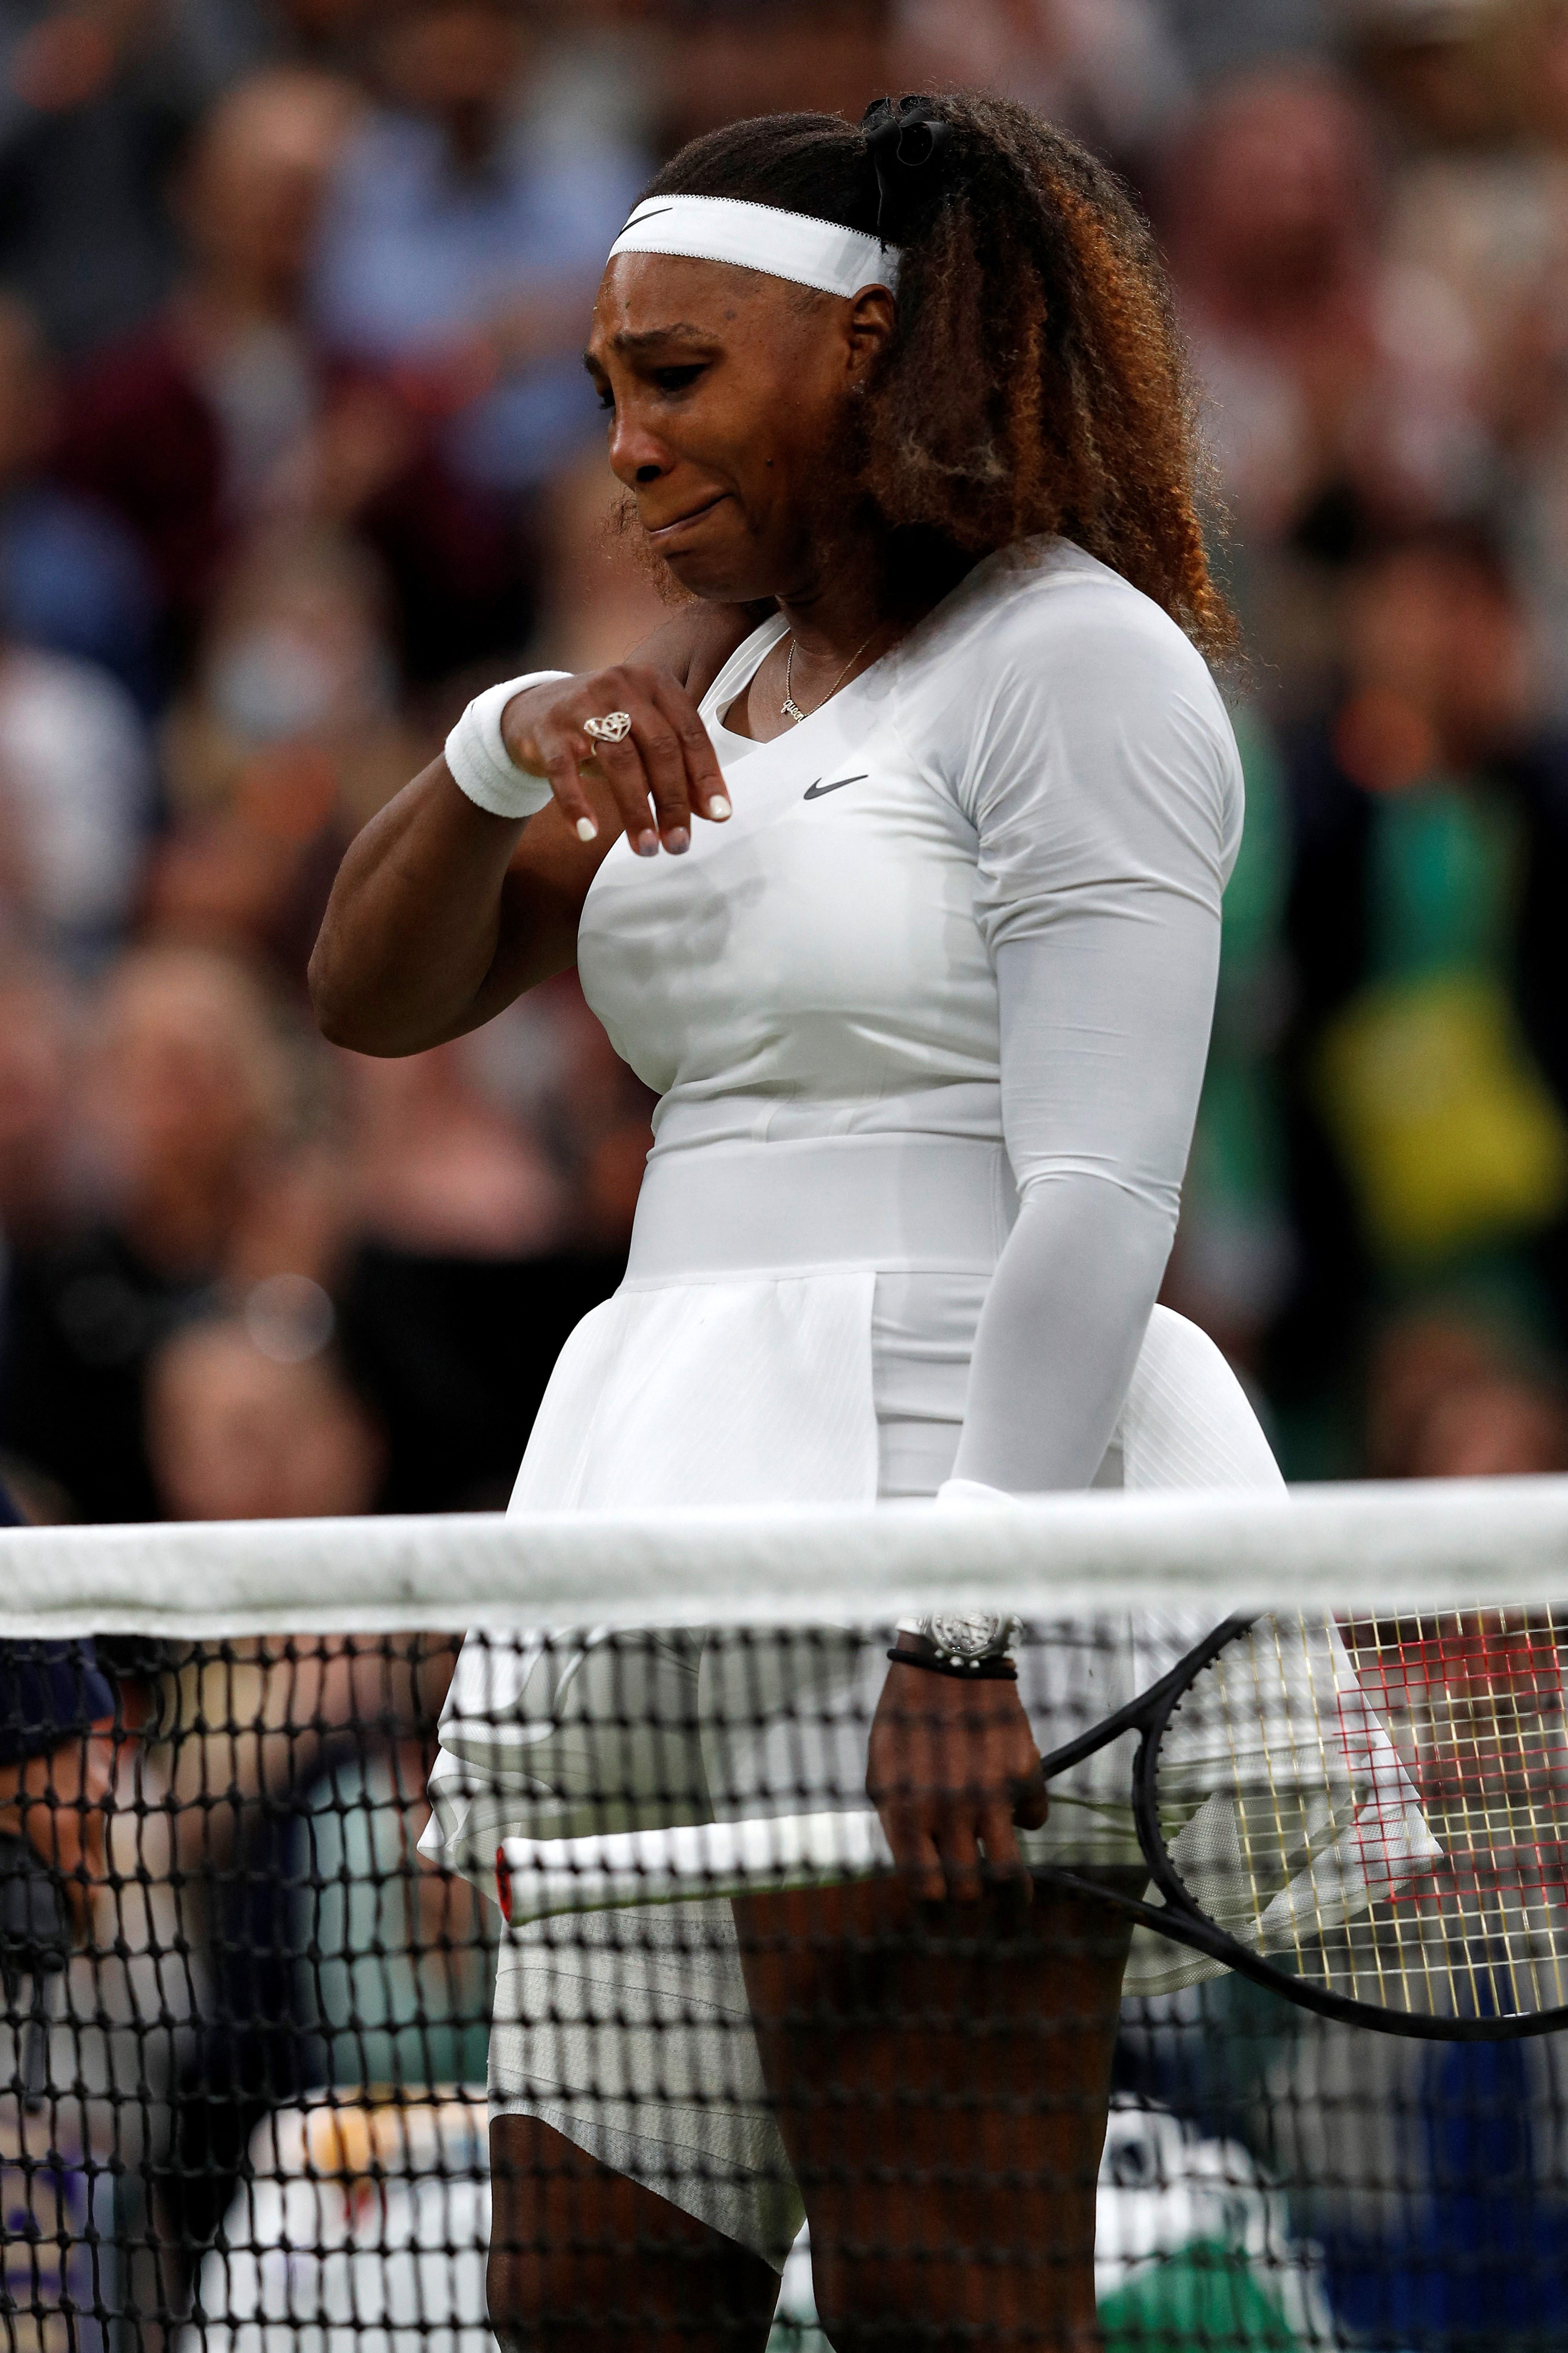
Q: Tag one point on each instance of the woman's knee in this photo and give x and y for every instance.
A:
(689, 2299)
(582, 2259)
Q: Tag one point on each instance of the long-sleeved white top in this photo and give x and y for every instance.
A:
(928, 1019)
(936, 1000)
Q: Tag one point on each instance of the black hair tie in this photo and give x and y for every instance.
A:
(906, 142)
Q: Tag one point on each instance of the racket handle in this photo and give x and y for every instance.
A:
(538, 1877)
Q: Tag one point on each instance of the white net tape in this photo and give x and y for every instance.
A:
(1433, 1544)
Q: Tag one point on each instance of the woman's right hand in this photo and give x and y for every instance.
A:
(661, 772)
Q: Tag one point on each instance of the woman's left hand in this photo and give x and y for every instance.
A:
(954, 1770)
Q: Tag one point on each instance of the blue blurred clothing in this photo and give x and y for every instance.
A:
(73, 580)
(48, 1691)
(50, 1694)
(414, 251)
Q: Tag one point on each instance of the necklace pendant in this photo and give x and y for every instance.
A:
(790, 708)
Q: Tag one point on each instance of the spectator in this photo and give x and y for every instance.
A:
(1234, 1263)
(1535, 48)
(243, 1424)
(39, 1044)
(248, 1417)
(75, 786)
(220, 414)
(53, 1822)
(1340, 386)
(1439, 66)
(1222, 36)
(1448, 1399)
(1107, 70)
(472, 1266)
(730, 59)
(189, 1105)
(464, 240)
(287, 741)
(242, 35)
(72, 579)
(97, 103)
(57, 1768)
(438, 1169)
(1428, 1058)
(817, 55)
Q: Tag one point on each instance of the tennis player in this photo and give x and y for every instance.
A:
(894, 865)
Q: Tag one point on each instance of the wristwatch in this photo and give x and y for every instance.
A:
(963, 1640)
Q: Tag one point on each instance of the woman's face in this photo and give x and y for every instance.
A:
(728, 392)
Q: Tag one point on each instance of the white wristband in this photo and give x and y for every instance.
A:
(481, 763)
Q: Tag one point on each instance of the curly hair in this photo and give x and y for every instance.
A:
(1037, 381)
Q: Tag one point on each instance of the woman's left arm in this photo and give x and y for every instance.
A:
(1105, 1028)
(1107, 819)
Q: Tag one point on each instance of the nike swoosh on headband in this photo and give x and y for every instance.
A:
(819, 790)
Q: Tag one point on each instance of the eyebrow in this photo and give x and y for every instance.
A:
(680, 332)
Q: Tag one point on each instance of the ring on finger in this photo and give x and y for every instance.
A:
(612, 727)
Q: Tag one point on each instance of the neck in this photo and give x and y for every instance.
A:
(841, 600)
(832, 630)
(873, 588)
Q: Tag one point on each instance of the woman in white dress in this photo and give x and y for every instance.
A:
(895, 865)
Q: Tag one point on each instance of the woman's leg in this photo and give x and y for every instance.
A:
(586, 2261)
(943, 2091)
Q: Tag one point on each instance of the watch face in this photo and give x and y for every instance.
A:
(967, 1637)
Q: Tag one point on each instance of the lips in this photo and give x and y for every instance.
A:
(664, 530)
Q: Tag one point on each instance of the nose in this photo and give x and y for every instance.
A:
(637, 457)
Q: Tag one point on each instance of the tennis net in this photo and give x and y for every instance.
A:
(367, 1986)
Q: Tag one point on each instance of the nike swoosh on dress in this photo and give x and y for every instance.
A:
(817, 791)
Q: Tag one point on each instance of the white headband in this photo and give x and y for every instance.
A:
(760, 237)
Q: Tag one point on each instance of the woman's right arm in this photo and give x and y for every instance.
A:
(442, 913)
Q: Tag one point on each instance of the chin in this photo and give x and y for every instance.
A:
(719, 576)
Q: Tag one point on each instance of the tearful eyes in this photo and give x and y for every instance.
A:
(671, 381)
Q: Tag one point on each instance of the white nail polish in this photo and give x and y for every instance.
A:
(719, 809)
(587, 830)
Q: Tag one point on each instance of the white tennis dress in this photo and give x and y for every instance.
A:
(938, 992)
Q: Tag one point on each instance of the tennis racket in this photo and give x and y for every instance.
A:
(1370, 1821)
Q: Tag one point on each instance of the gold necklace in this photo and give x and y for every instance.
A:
(789, 708)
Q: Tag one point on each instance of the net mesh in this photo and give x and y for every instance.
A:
(377, 1989)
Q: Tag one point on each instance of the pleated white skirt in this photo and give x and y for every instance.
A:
(795, 1327)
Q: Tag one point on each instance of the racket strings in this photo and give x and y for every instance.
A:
(1384, 1814)
(1477, 1703)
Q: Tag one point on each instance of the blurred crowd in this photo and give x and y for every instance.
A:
(295, 452)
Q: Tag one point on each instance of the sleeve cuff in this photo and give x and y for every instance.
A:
(971, 1491)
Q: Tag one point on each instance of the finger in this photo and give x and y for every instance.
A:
(664, 765)
(630, 785)
(564, 757)
(1031, 1804)
(1005, 1864)
(960, 1851)
(914, 1852)
(705, 786)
